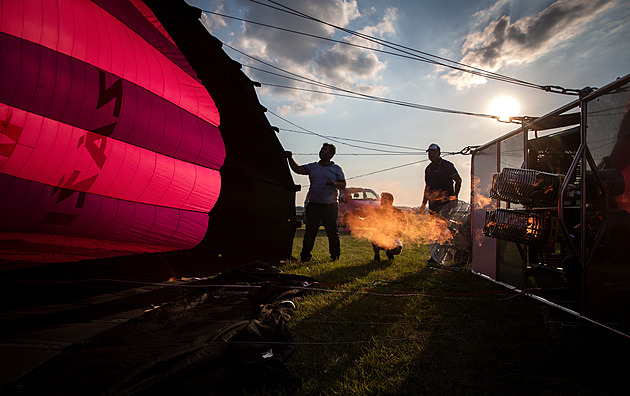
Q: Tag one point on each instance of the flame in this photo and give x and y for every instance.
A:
(439, 195)
(479, 235)
(425, 228)
(383, 227)
(530, 229)
(480, 201)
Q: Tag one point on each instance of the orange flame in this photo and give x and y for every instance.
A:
(479, 235)
(479, 200)
(383, 227)
(530, 225)
(439, 195)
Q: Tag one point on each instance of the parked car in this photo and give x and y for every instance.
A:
(354, 201)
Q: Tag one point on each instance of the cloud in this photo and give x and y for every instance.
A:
(213, 22)
(336, 64)
(344, 65)
(498, 41)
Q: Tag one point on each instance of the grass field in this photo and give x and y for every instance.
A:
(405, 327)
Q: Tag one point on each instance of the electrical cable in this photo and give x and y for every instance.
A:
(350, 94)
(339, 140)
(356, 140)
(463, 151)
(328, 137)
(404, 51)
(387, 169)
(385, 100)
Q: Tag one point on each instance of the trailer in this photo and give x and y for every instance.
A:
(550, 207)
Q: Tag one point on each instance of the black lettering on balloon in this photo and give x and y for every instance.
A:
(106, 95)
(71, 187)
(96, 151)
(12, 132)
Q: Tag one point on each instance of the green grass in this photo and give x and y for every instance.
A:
(451, 333)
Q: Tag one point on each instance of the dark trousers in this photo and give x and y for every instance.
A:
(390, 252)
(327, 215)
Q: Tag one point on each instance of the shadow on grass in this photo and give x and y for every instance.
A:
(460, 335)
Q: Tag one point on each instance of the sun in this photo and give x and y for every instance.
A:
(504, 107)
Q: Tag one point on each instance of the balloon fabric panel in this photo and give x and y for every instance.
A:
(109, 144)
(60, 155)
(108, 44)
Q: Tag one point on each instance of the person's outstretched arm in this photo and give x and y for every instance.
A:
(299, 169)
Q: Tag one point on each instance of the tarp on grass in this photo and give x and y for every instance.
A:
(221, 336)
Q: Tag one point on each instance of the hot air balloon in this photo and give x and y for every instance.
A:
(109, 139)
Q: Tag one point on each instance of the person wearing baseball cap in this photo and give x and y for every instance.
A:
(442, 182)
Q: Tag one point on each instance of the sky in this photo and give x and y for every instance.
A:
(381, 144)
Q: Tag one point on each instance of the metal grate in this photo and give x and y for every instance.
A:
(521, 226)
(526, 186)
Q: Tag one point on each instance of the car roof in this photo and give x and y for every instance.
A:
(359, 189)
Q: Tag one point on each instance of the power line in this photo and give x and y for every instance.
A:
(401, 55)
(403, 51)
(358, 140)
(464, 151)
(385, 100)
(358, 154)
(331, 138)
(350, 94)
(388, 169)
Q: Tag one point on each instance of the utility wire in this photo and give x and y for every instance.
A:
(389, 101)
(465, 150)
(403, 51)
(350, 94)
(401, 55)
(462, 66)
(387, 169)
(336, 140)
(357, 140)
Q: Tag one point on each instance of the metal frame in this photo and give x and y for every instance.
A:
(583, 155)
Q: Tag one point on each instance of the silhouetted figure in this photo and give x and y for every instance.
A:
(325, 178)
(442, 181)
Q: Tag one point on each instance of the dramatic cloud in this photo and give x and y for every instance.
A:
(499, 41)
(343, 64)
(333, 63)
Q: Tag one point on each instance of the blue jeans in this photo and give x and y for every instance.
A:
(326, 214)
